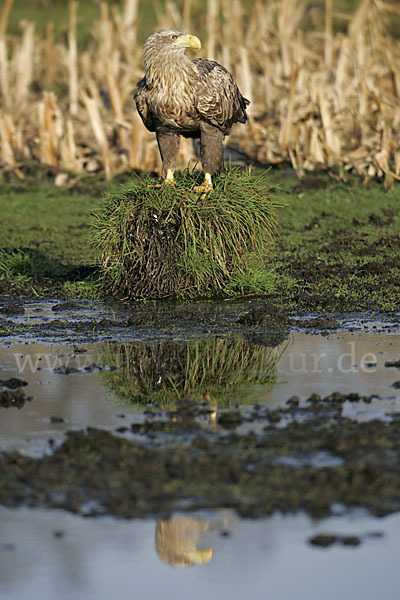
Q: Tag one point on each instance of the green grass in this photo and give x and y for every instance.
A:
(57, 11)
(158, 242)
(43, 241)
(38, 216)
(338, 244)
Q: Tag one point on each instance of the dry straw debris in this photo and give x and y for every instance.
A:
(320, 98)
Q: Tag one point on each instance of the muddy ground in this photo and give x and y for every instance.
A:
(94, 472)
(192, 454)
(338, 251)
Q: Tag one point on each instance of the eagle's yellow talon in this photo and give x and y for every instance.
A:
(204, 188)
(164, 183)
(169, 181)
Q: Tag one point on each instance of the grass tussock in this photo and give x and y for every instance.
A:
(166, 372)
(159, 242)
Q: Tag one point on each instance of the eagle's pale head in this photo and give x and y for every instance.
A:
(167, 43)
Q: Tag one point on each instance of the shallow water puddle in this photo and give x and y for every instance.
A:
(204, 555)
(108, 385)
(345, 362)
(132, 387)
(59, 402)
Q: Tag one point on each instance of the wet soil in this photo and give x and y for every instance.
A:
(90, 320)
(319, 323)
(324, 540)
(13, 383)
(11, 398)
(12, 308)
(259, 319)
(150, 470)
(305, 456)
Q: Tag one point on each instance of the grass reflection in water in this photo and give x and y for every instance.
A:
(163, 372)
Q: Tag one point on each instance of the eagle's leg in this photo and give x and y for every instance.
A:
(211, 155)
(168, 145)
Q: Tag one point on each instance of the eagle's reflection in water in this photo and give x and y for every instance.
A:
(179, 539)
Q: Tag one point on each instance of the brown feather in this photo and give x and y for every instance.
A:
(185, 97)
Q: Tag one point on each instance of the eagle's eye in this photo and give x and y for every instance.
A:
(174, 37)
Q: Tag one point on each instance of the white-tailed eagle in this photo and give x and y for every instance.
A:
(194, 98)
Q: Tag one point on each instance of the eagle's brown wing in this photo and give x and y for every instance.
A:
(141, 104)
(218, 100)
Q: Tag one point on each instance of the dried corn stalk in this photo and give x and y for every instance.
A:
(318, 98)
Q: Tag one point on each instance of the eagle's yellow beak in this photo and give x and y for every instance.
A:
(188, 41)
